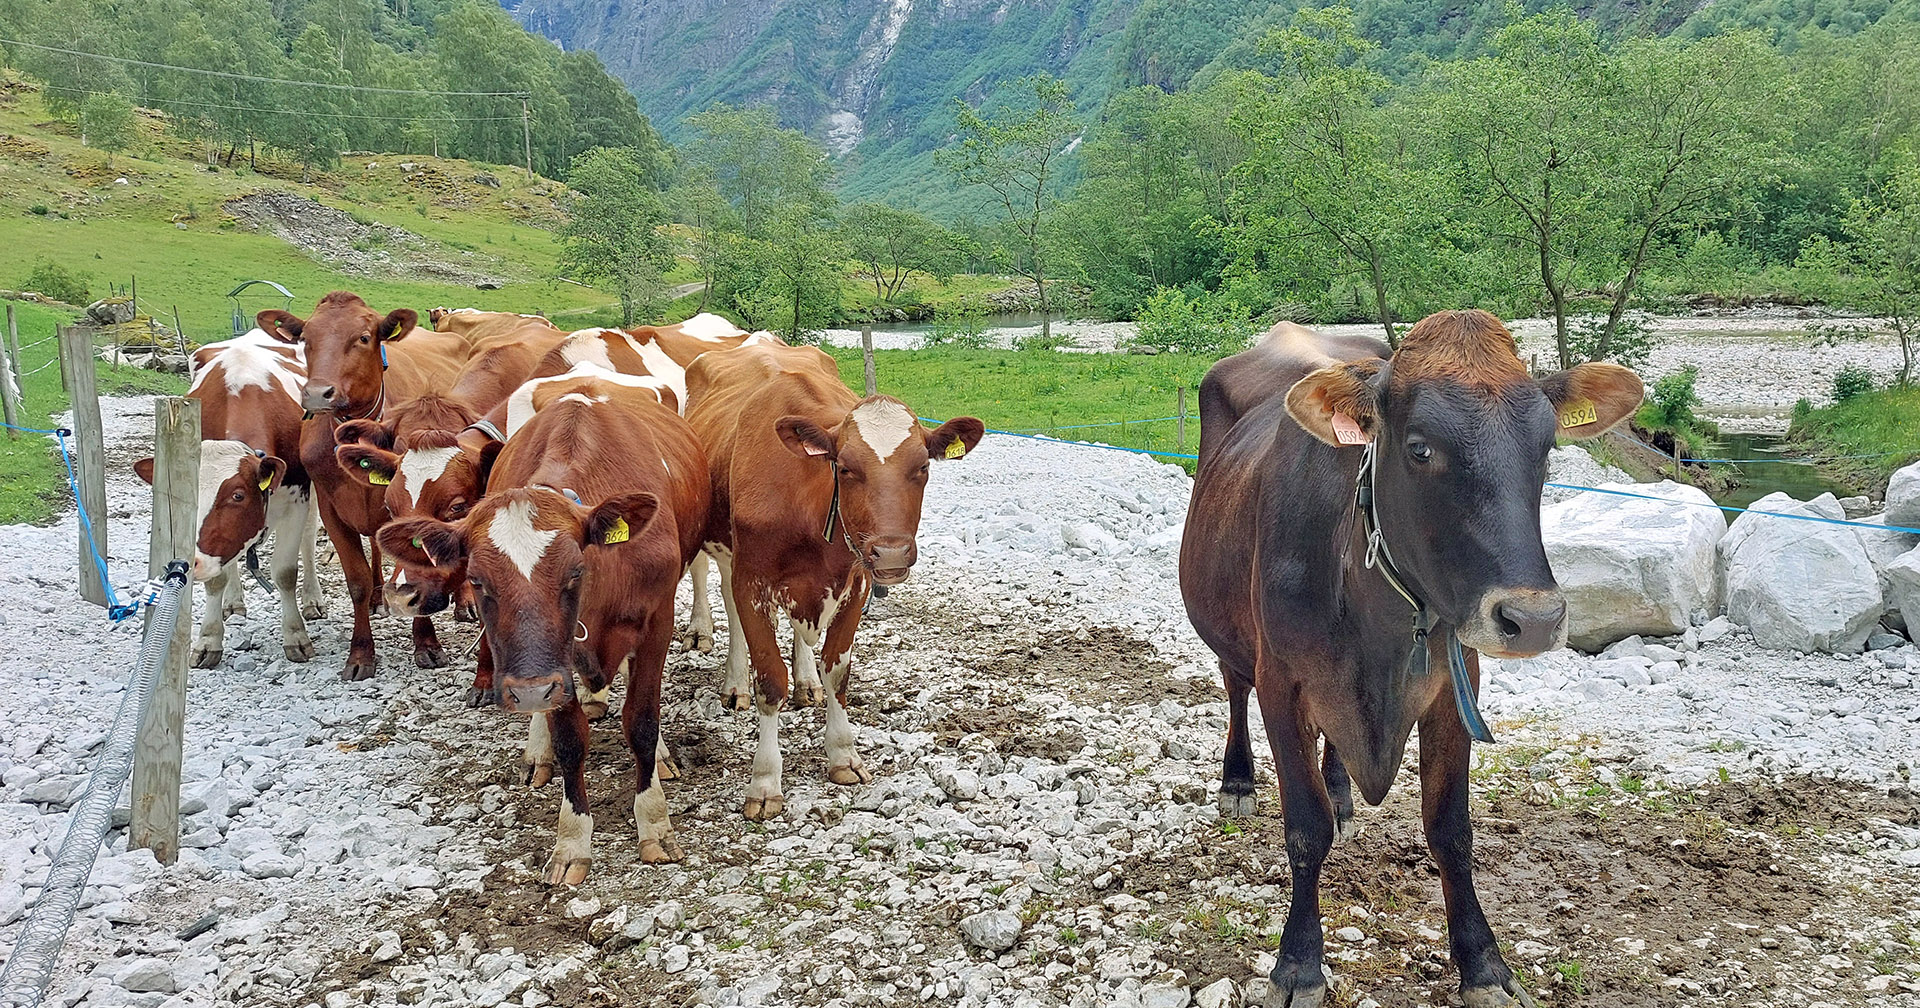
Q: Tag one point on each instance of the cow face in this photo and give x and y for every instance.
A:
(345, 362)
(526, 553)
(1461, 433)
(880, 454)
(234, 487)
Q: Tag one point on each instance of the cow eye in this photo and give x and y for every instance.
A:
(1421, 451)
(457, 509)
(479, 586)
(239, 496)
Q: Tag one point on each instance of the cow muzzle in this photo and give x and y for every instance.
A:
(890, 560)
(1517, 623)
(205, 566)
(318, 398)
(533, 696)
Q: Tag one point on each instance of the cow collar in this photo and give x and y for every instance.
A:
(833, 518)
(488, 428)
(1380, 557)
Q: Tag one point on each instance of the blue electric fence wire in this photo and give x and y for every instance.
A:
(117, 611)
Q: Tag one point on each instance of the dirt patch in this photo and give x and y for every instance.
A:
(1015, 732)
(1107, 662)
(360, 247)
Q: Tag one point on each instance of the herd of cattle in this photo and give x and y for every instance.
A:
(1364, 523)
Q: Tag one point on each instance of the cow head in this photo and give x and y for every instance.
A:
(234, 484)
(880, 456)
(526, 552)
(432, 477)
(345, 361)
(1461, 434)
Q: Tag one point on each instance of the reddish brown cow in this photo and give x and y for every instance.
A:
(251, 484)
(816, 497)
(360, 364)
(599, 503)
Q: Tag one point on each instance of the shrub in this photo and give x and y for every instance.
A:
(1209, 324)
(1851, 381)
(57, 282)
(961, 324)
(1632, 338)
(1674, 398)
(1802, 408)
(38, 209)
(1037, 343)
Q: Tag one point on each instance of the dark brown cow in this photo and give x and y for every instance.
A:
(598, 505)
(251, 484)
(360, 364)
(1356, 638)
(816, 497)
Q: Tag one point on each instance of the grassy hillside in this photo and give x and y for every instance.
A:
(167, 225)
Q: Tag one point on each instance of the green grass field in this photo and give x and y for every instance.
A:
(1880, 423)
(33, 483)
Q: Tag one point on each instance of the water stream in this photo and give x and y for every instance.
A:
(1774, 469)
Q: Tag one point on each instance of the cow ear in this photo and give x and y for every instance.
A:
(372, 433)
(1337, 404)
(955, 438)
(618, 519)
(280, 324)
(398, 323)
(423, 542)
(1591, 398)
(804, 438)
(144, 469)
(368, 465)
(484, 471)
(269, 474)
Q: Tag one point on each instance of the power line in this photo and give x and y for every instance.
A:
(251, 108)
(267, 80)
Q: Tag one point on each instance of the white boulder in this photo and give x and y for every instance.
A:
(1883, 548)
(1903, 587)
(1903, 497)
(1572, 465)
(1799, 585)
(1630, 566)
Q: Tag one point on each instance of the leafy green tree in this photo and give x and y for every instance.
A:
(600, 112)
(799, 265)
(1885, 258)
(107, 123)
(482, 48)
(313, 133)
(762, 168)
(893, 245)
(615, 229)
(1013, 146)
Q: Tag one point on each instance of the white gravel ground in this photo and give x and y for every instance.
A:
(1043, 723)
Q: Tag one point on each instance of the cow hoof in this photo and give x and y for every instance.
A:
(1508, 995)
(357, 671)
(569, 872)
(477, 697)
(1297, 985)
(806, 694)
(762, 809)
(594, 709)
(663, 850)
(703, 643)
(379, 610)
(468, 613)
(1237, 806)
(313, 609)
(1345, 828)
(737, 700)
(666, 770)
(852, 773)
(298, 651)
(234, 609)
(204, 657)
(539, 774)
(429, 657)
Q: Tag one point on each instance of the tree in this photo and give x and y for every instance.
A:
(614, 229)
(311, 131)
(799, 265)
(1885, 259)
(762, 168)
(894, 245)
(107, 123)
(1013, 145)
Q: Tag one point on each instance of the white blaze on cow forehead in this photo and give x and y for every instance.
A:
(710, 327)
(219, 462)
(884, 425)
(422, 466)
(513, 534)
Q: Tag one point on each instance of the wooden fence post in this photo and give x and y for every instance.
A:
(1183, 418)
(89, 453)
(156, 759)
(9, 369)
(866, 355)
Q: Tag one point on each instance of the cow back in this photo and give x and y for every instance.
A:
(734, 400)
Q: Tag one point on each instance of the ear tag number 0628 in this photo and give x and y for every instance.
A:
(1578, 413)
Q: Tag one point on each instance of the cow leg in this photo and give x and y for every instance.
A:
(737, 692)
(573, 845)
(427, 652)
(1485, 980)
(1333, 771)
(213, 619)
(806, 670)
(538, 754)
(483, 693)
(640, 717)
(294, 641)
(764, 800)
(1308, 815)
(313, 598)
(1236, 773)
(466, 609)
(363, 587)
(233, 601)
(699, 635)
(843, 764)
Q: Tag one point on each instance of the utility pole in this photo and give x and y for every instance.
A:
(526, 132)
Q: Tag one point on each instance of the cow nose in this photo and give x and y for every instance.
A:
(529, 698)
(404, 599)
(1531, 625)
(317, 398)
(891, 559)
(205, 566)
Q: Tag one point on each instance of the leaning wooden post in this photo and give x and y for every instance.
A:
(89, 454)
(1183, 418)
(9, 369)
(156, 753)
(866, 355)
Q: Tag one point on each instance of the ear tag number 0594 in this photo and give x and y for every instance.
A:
(1578, 413)
(1347, 432)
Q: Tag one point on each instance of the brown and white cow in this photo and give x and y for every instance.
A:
(360, 364)
(1364, 523)
(252, 485)
(598, 504)
(816, 497)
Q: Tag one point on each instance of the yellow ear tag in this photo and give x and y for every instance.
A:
(1347, 431)
(266, 483)
(618, 533)
(378, 478)
(1578, 413)
(956, 449)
